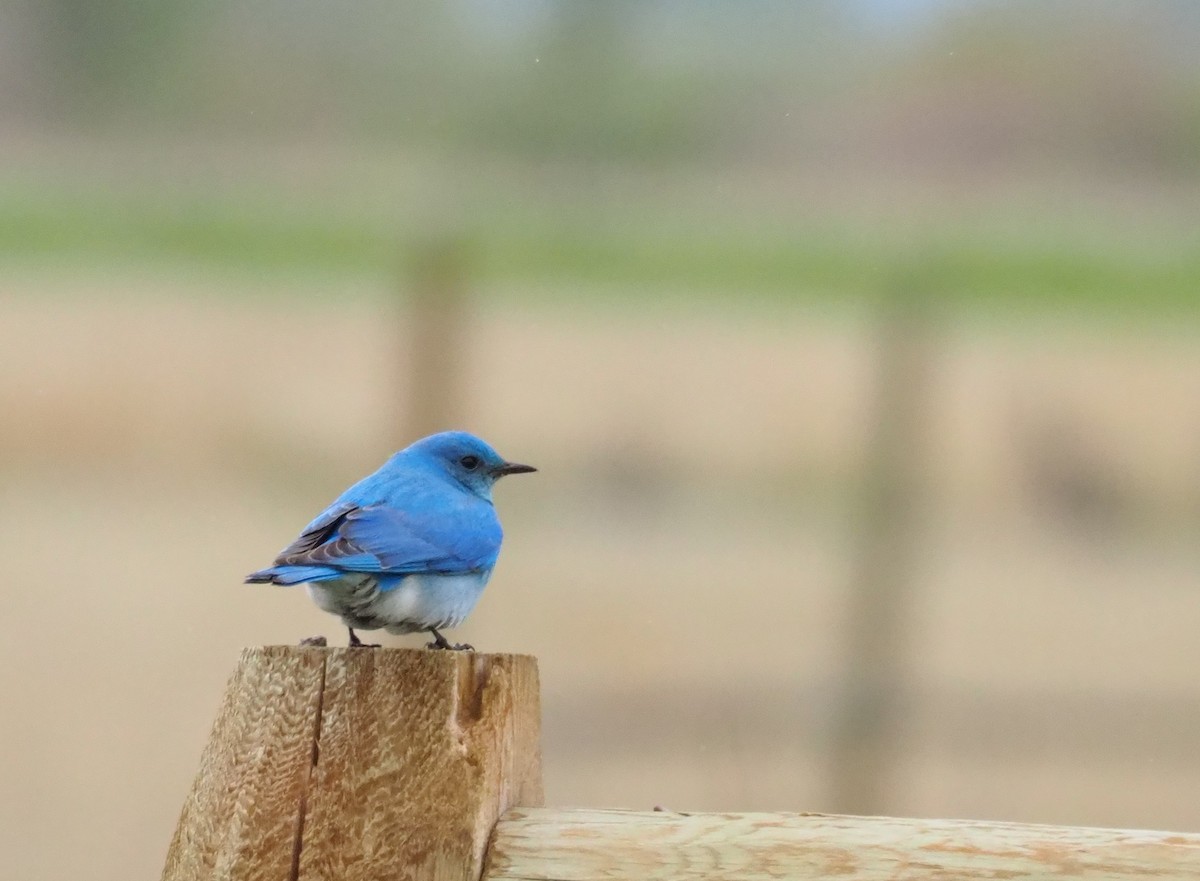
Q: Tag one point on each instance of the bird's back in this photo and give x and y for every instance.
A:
(403, 519)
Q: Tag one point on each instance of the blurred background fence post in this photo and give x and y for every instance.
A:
(437, 310)
(867, 719)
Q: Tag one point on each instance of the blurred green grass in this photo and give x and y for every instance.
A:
(980, 264)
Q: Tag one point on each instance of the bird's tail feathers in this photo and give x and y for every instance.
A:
(287, 575)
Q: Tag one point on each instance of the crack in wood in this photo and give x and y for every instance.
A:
(302, 807)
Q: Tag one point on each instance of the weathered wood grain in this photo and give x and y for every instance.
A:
(241, 819)
(587, 845)
(420, 752)
(360, 764)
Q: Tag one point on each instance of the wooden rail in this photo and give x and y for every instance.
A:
(382, 764)
(584, 845)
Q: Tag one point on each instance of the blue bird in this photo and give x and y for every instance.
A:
(408, 548)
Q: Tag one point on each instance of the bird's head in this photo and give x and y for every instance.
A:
(467, 459)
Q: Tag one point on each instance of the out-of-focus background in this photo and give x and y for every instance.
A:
(856, 341)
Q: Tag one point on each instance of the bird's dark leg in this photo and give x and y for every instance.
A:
(440, 642)
(356, 643)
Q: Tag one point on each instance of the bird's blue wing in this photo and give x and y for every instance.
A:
(319, 531)
(386, 540)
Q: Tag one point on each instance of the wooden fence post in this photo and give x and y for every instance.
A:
(354, 764)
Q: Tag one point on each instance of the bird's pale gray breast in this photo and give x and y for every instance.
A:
(419, 602)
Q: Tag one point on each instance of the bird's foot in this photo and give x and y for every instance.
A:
(317, 641)
(441, 643)
(356, 643)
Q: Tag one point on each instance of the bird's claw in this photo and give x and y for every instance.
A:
(440, 642)
(356, 643)
(449, 647)
(314, 641)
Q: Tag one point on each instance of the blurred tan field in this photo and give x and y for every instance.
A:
(679, 565)
(856, 343)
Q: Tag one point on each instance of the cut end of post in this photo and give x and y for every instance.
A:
(356, 762)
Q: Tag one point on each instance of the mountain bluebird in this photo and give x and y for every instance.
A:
(408, 548)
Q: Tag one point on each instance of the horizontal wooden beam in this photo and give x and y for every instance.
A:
(589, 845)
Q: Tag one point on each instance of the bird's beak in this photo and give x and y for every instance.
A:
(513, 468)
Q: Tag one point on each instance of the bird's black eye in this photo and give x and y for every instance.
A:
(469, 462)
